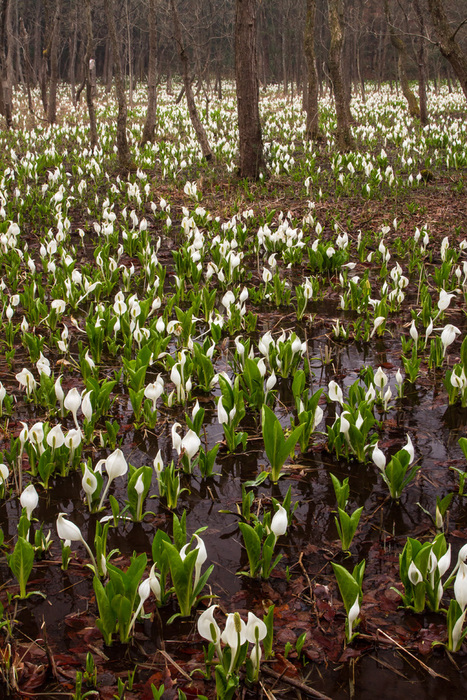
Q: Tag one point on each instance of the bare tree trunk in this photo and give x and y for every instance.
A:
(285, 79)
(311, 104)
(10, 44)
(150, 123)
(219, 76)
(195, 120)
(108, 66)
(246, 75)
(130, 56)
(19, 65)
(344, 137)
(90, 75)
(27, 63)
(37, 66)
(124, 155)
(169, 87)
(360, 76)
(401, 49)
(52, 101)
(43, 82)
(6, 101)
(448, 45)
(73, 49)
(422, 64)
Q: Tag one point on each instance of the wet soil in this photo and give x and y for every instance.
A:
(393, 655)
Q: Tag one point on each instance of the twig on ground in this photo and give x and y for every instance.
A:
(296, 684)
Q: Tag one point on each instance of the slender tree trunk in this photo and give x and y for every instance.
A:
(27, 63)
(108, 66)
(90, 75)
(401, 49)
(219, 75)
(54, 41)
(10, 45)
(246, 75)
(6, 101)
(344, 137)
(311, 104)
(360, 75)
(124, 155)
(195, 120)
(37, 65)
(448, 45)
(285, 78)
(448, 78)
(130, 56)
(73, 50)
(18, 62)
(169, 80)
(422, 64)
(150, 123)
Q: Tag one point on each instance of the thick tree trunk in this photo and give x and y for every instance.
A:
(53, 44)
(401, 49)
(6, 101)
(311, 102)
(195, 120)
(344, 137)
(90, 76)
(124, 155)
(448, 45)
(150, 123)
(246, 75)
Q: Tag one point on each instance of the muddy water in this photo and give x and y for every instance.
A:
(423, 413)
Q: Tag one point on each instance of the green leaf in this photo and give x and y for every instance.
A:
(348, 586)
(123, 609)
(107, 620)
(181, 572)
(21, 562)
(262, 476)
(253, 547)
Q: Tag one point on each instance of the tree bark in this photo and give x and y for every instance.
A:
(18, 62)
(150, 123)
(124, 155)
(90, 76)
(73, 49)
(6, 101)
(130, 55)
(53, 44)
(27, 63)
(344, 136)
(37, 42)
(246, 75)
(401, 49)
(192, 109)
(422, 64)
(311, 104)
(448, 45)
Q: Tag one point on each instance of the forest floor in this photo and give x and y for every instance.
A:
(51, 639)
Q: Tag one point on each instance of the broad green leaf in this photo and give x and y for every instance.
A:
(181, 572)
(253, 546)
(21, 562)
(349, 588)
